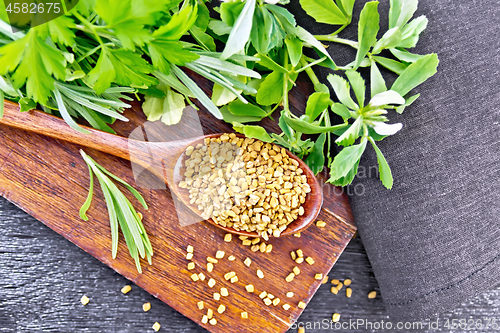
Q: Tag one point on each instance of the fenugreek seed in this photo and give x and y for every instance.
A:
(246, 242)
(234, 279)
(156, 326)
(244, 315)
(302, 305)
(212, 260)
(228, 238)
(210, 267)
(290, 277)
(339, 286)
(146, 307)
(189, 256)
(85, 300)
(289, 294)
(260, 274)
(213, 321)
(372, 294)
(321, 224)
(270, 296)
(299, 260)
(250, 288)
(255, 240)
(217, 296)
(201, 276)
(286, 306)
(267, 301)
(204, 319)
(221, 309)
(318, 276)
(298, 233)
(211, 283)
(325, 280)
(262, 247)
(269, 248)
(263, 294)
(243, 237)
(347, 282)
(310, 260)
(191, 265)
(210, 313)
(190, 249)
(229, 275)
(201, 305)
(220, 254)
(300, 254)
(248, 262)
(293, 255)
(301, 329)
(348, 292)
(336, 317)
(335, 281)
(126, 289)
(296, 270)
(231, 258)
(195, 277)
(334, 290)
(276, 301)
(255, 248)
(224, 292)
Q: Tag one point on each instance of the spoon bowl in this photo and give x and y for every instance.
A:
(164, 159)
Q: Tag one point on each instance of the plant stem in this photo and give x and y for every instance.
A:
(335, 39)
(341, 28)
(312, 76)
(89, 26)
(285, 86)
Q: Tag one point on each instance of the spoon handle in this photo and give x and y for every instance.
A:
(45, 124)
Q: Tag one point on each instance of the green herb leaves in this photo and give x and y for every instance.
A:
(121, 212)
(327, 11)
(240, 33)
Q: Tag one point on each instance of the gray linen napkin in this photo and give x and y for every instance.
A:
(434, 239)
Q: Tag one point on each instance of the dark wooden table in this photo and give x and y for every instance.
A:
(43, 276)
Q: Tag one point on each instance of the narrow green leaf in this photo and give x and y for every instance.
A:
(294, 47)
(411, 32)
(383, 167)
(231, 118)
(404, 55)
(270, 63)
(226, 66)
(416, 74)
(392, 65)
(113, 219)
(239, 108)
(316, 104)
(240, 33)
(308, 128)
(64, 113)
(368, 27)
(306, 37)
(316, 158)
(377, 82)
(345, 160)
(342, 90)
(86, 205)
(287, 130)
(324, 11)
(350, 136)
(203, 38)
(391, 38)
(358, 85)
(401, 12)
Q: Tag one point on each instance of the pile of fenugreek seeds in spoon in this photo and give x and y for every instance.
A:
(245, 184)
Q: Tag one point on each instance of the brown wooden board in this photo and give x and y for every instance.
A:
(48, 179)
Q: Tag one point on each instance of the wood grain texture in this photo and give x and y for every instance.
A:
(48, 179)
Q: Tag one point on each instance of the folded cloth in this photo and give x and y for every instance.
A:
(434, 239)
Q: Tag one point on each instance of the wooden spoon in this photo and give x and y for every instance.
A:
(163, 159)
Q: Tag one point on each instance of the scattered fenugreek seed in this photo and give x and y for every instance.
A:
(189, 256)
(234, 279)
(201, 305)
(211, 283)
(318, 276)
(250, 288)
(263, 294)
(190, 249)
(347, 282)
(260, 274)
(325, 280)
(247, 262)
(212, 260)
(289, 294)
(224, 292)
(244, 315)
(255, 241)
(228, 238)
(267, 301)
(293, 255)
(301, 329)
(204, 319)
(210, 313)
(85, 300)
(210, 267)
(243, 237)
(290, 277)
(339, 286)
(299, 260)
(321, 224)
(296, 270)
(286, 306)
(372, 294)
(297, 234)
(231, 258)
(201, 276)
(302, 305)
(270, 296)
(334, 290)
(300, 254)
(255, 248)
(229, 275)
(221, 309)
(335, 281)
(156, 326)
(217, 296)
(348, 292)
(310, 260)
(246, 242)
(213, 321)
(262, 247)
(195, 277)
(269, 248)
(191, 265)
(126, 289)
(146, 307)
(220, 254)
(276, 301)
(336, 317)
